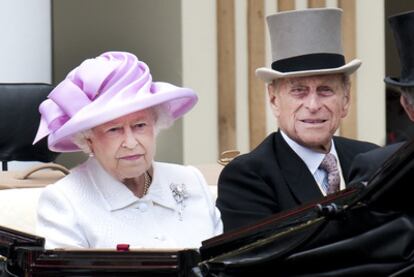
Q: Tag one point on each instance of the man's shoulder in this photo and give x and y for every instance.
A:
(259, 154)
(365, 164)
(358, 145)
(380, 153)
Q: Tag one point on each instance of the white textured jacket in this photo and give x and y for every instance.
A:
(91, 209)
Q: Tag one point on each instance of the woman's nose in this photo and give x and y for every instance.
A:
(129, 141)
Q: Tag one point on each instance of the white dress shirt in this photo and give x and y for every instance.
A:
(91, 209)
(313, 159)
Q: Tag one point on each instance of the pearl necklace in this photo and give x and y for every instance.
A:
(147, 182)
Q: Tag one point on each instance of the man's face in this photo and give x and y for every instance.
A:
(309, 109)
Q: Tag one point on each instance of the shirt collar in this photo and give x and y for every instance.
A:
(118, 196)
(311, 158)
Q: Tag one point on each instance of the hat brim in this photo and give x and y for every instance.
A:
(179, 101)
(268, 74)
(396, 82)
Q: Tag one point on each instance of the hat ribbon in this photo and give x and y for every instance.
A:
(315, 61)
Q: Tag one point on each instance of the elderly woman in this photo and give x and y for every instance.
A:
(110, 108)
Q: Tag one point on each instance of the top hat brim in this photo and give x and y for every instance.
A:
(268, 74)
(394, 81)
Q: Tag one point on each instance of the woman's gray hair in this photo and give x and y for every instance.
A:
(408, 93)
(162, 117)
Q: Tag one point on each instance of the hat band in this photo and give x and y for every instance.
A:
(309, 62)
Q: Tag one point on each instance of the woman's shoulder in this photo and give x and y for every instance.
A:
(76, 177)
(178, 172)
(178, 168)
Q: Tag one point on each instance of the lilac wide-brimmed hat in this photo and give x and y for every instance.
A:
(103, 89)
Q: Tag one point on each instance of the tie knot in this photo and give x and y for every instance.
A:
(329, 163)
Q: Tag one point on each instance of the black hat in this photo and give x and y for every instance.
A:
(402, 26)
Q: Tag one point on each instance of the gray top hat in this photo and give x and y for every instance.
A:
(306, 42)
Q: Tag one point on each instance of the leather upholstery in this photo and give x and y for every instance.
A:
(362, 231)
(19, 120)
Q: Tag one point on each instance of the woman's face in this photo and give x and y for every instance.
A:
(125, 147)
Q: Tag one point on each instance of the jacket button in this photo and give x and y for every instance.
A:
(143, 207)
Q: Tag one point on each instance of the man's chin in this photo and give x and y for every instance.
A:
(317, 144)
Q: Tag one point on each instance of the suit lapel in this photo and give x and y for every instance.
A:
(295, 172)
(345, 158)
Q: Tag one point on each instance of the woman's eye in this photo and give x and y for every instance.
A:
(140, 125)
(113, 129)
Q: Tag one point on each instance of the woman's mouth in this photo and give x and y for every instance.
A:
(131, 157)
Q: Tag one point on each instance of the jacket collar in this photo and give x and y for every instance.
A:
(345, 157)
(117, 196)
(300, 181)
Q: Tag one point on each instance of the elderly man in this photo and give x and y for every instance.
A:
(402, 26)
(309, 93)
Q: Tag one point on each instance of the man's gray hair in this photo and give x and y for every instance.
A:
(162, 117)
(408, 93)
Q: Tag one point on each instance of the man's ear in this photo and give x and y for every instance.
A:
(273, 99)
(409, 109)
(347, 104)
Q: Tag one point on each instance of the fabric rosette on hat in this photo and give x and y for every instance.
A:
(102, 89)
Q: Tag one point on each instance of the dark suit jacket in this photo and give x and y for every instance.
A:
(366, 164)
(273, 178)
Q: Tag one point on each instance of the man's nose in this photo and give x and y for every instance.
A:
(313, 103)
